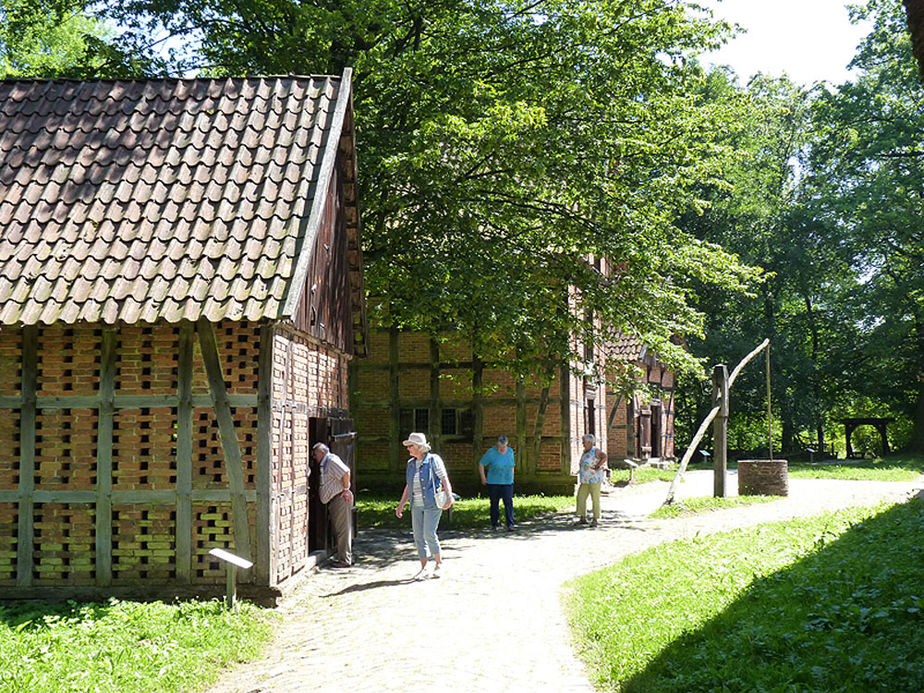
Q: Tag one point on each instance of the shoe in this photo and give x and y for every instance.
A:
(593, 522)
(437, 571)
(494, 528)
(420, 574)
(582, 521)
(509, 528)
(339, 564)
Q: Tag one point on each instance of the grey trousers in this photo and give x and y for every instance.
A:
(341, 521)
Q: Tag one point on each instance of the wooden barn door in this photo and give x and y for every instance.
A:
(338, 434)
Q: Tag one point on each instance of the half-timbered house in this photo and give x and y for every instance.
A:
(411, 382)
(180, 295)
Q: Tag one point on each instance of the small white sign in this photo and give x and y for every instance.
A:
(231, 558)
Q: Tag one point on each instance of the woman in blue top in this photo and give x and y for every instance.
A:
(499, 480)
(426, 473)
(590, 477)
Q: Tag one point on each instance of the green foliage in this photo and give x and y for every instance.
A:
(830, 603)
(692, 506)
(124, 646)
(892, 468)
(61, 38)
(502, 144)
(470, 513)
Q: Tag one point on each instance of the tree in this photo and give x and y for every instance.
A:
(501, 143)
(63, 38)
(867, 170)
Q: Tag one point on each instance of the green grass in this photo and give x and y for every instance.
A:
(378, 510)
(891, 468)
(643, 475)
(124, 646)
(832, 603)
(691, 506)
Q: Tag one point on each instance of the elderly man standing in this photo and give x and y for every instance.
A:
(499, 480)
(336, 495)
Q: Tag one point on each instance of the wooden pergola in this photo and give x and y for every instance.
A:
(850, 425)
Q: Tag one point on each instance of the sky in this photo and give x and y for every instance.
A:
(810, 40)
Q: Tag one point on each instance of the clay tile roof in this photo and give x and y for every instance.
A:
(628, 348)
(164, 199)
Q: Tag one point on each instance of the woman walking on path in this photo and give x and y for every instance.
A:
(590, 476)
(426, 476)
(500, 465)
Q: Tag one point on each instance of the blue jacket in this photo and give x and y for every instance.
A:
(429, 478)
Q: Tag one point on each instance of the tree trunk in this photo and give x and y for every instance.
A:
(916, 444)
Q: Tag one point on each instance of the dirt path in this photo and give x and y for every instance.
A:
(494, 622)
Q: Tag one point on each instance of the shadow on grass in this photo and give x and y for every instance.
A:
(849, 617)
(36, 615)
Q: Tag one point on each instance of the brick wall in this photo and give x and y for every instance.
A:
(143, 546)
(63, 551)
(309, 380)
(9, 520)
(144, 451)
(381, 457)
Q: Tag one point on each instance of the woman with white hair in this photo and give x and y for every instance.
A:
(590, 477)
(426, 480)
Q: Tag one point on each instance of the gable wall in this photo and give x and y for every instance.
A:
(164, 492)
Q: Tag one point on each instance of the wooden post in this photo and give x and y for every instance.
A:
(720, 428)
(104, 459)
(26, 510)
(266, 516)
(477, 411)
(436, 408)
(395, 434)
(228, 435)
(523, 465)
(184, 453)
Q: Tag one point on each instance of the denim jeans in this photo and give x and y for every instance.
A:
(424, 522)
(495, 493)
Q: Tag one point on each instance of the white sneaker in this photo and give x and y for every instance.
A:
(437, 572)
(420, 574)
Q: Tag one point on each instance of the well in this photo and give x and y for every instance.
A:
(763, 478)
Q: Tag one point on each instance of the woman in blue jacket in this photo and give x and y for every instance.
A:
(426, 475)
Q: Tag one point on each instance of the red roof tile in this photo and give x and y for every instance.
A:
(160, 199)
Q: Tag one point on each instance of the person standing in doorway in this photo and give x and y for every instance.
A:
(591, 473)
(336, 495)
(426, 475)
(499, 463)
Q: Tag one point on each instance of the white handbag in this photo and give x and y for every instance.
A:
(441, 497)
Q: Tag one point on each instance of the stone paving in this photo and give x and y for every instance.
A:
(494, 622)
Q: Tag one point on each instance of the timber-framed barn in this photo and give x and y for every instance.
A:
(412, 382)
(181, 293)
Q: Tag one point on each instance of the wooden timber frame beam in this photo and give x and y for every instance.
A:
(104, 458)
(229, 442)
(26, 505)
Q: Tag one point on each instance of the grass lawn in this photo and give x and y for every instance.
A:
(124, 646)
(891, 468)
(830, 603)
(691, 506)
(378, 510)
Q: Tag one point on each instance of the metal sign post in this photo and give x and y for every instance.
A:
(232, 563)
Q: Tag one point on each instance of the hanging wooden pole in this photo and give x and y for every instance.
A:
(769, 410)
(720, 429)
(685, 460)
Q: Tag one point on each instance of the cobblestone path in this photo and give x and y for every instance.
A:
(494, 622)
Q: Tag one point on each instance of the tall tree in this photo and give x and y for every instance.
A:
(867, 178)
(502, 142)
(61, 38)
